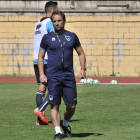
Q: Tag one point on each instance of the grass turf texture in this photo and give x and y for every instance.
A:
(104, 112)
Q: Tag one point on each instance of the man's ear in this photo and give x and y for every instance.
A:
(52, 10)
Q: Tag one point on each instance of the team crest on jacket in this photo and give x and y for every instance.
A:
(68, 38)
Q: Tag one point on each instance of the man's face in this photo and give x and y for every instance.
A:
(58, 22)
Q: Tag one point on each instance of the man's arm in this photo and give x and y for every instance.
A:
(43, 78)
(82, 60)
(49, 26)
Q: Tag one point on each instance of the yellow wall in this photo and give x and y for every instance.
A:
(111, 44)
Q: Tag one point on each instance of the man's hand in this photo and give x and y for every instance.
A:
(82, 74)
(43, 79)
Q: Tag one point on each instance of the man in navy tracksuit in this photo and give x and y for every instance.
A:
(60, 74)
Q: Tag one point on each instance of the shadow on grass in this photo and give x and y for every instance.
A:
(76, 120)
(73, 120)
(86, 134)
(70, 120)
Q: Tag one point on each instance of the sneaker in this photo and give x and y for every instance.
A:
(42, 123)
(67, 130)
(41, 115)
(58, 136)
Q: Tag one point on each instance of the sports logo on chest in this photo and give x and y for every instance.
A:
(38, 26)
(53, 39)
(68, 38)
(38, 29)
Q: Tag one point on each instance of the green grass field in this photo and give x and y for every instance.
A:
(104, 112)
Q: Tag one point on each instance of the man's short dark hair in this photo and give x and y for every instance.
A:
(50, 5)
(59, 13)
